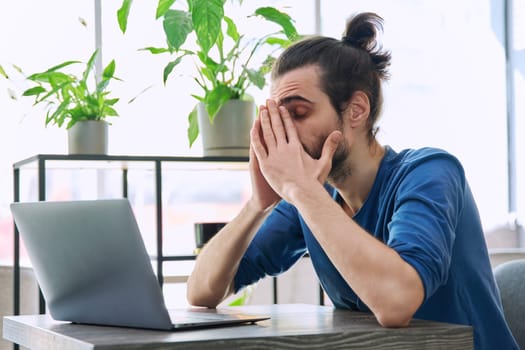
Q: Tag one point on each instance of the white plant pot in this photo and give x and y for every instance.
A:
(88, 137)
(229, 135)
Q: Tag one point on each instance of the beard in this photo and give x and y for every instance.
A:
(340, 166)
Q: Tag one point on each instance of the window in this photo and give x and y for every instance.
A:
(517, 11)
(34, 35)
(448, 86)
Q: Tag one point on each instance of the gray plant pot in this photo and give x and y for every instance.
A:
(229, 135)
(88, 137)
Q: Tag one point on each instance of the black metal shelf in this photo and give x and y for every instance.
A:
(39, 163)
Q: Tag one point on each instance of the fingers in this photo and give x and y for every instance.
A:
(267, 128)
(330, 145)
(329, 148)
(254, 161)
(282, 123)
(257, 145)
(275, 113)
(253, 156)
(289, 126)
(275, 126)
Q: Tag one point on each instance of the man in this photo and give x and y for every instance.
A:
(395, 234)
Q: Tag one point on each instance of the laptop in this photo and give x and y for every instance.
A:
(93, 268)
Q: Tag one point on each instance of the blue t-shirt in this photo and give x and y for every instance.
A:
(421, 206)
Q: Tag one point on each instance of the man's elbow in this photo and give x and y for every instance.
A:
(398, 313)
(198, 294)
(398, 309)
(199, 299)
(393, 320)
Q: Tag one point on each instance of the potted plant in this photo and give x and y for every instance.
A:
(224, 63)
(78, 103)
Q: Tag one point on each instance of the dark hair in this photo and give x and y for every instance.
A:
(356, 62)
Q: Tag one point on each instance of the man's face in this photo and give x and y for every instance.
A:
(311, 111)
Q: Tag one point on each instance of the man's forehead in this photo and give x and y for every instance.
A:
(297, 84)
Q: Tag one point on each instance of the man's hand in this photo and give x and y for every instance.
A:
(285, 164)
(263, 196)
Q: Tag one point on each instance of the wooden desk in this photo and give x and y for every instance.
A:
(293, 326)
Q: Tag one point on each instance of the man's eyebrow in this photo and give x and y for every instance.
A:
(292, 98)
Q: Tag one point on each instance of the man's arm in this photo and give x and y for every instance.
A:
(388, 285)
(212, 278)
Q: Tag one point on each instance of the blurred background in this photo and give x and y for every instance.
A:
(457, 83)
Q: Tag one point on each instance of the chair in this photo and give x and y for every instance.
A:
(499, 256)
(510, 278)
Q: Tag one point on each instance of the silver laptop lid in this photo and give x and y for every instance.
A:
(90, 261)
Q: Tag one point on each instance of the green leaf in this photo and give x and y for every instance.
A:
(57, 78)
(278, 41)
(206, 16)
(198, 98)
(89, 66)
(2, 72)
(243, 297)
(112, 101)
(231, 29)
(239, 301)
(70, 124)
(215, 99)
(140, 93)
(219, 42)
(76, 113)
(209, 74)
(169, 68)
(193, 126)
(37, 90)
(266, 66)
(18, 69)
(122, 15)
(102, 85)
(92, 102)
(109, 112)
(48, 119)
(210, 68)
(162, 7)
(109, 71)
(58, 115)
(155, 50)
(207, 60)
(177, 25)
(62, 65)
(56, 90)
(50, 77)
(256, 77)
(285, 21)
